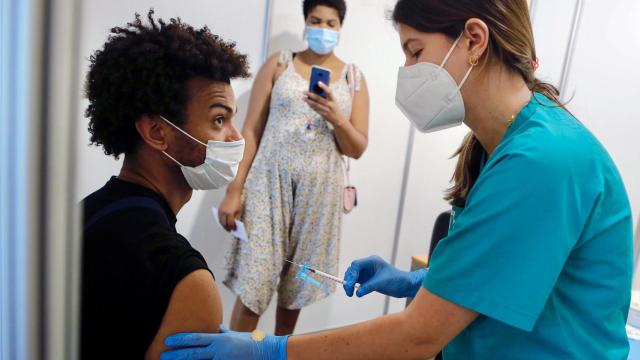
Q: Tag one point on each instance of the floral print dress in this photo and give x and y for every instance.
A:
(292, 199)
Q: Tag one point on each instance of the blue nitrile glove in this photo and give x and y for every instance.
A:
(229, 345)
(375, 274)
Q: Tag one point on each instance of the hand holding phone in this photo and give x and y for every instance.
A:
(319, 74)
(320, 97)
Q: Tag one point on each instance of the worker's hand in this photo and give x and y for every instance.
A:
(230, 209)
(229, 345)
(375, 274)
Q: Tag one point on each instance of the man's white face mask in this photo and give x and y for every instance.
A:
(220, 164)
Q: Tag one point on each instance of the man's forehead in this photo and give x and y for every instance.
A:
(208, 90)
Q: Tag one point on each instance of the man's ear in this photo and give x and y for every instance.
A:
(153, 132)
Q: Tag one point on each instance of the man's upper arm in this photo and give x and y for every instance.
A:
(194, 306)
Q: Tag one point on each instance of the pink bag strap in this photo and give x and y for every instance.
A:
(353, 86)
(347, 170)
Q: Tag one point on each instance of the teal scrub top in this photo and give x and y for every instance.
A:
(543, 249)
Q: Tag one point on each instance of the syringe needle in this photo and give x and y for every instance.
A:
(323, 274)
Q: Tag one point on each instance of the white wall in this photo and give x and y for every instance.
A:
(605, 79)
(241, 21)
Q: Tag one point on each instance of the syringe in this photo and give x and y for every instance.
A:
(322, 274)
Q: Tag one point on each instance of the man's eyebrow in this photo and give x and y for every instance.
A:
(223, 106)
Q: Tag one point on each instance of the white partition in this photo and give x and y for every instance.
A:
(38, 266)
(21, 112)
(552, 25)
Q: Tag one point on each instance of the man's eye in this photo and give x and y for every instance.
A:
(219, 120)
(416, 54)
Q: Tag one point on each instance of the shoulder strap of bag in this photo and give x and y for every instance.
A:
(351, 81)
(347, 170)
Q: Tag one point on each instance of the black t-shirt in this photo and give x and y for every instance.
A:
(132, 260)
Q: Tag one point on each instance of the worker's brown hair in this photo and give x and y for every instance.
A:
(510, 42)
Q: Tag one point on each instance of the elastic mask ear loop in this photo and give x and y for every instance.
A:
(466, 76)
(171, 157)
(473, 61)
(453, 47)
(182, 131)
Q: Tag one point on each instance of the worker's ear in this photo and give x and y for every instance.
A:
(476, 43)
(153, 132)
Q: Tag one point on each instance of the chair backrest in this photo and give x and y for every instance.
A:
(440, 230)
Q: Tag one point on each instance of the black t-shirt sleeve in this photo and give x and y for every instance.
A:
(133, 259)
(170, 258)
(177, 268)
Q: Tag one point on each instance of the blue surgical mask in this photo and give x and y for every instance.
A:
(321, 41)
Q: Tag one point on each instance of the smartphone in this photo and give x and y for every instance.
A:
(318, 74)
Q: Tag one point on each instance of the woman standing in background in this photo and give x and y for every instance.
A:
(292, 173)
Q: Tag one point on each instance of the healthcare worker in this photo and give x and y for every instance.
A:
(538, 262)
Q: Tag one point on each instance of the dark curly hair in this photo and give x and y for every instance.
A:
(144, 69)
(339, 5)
